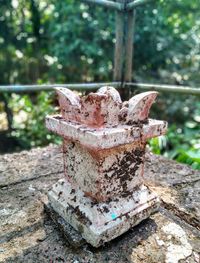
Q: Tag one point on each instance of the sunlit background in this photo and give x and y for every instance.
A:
(68, 41)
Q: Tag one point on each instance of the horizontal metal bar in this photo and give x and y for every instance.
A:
(118, 6)
(93, 86)
(106, 3)
(47, 87)
(136, 3)
(165, 88)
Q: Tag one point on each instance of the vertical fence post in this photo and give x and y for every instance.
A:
(129, 49)
(128, 62)
(119, 45)
(123, 58)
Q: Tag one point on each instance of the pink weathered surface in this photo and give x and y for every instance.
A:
(140, 105)
(104, 108)
(108, 137)
(104, 143)
(112, 92)
(136, 110)
(95, 110)
(69, 104)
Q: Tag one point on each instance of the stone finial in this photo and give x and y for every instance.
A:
(137, 108)
(104, 108)
(69, 104)
(102, 193)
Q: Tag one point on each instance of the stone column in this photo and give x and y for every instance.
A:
(102, 193)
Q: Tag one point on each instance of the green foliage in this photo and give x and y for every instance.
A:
(66, 41)
(181, 144)
(87, 32)
(28, 125)
(69, 41)
(167, 34)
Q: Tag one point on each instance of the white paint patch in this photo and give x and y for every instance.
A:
(160, 242)
(181, 249)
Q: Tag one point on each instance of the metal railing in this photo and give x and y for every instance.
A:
(165, 88)
(48, 87)
(94, 86)
(119, 5)
(123, 58)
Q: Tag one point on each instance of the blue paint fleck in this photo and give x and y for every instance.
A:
(113, 216)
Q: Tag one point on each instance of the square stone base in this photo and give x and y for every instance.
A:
(101, 222)
(72, 236)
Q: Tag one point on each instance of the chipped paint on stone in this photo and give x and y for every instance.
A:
(101, 109)
(107, 173)
(94, 110)
(99, 222)
(104, 108)
(105, 138)
(103, 193)
(112, 92)
(69, 104)
(139, 106)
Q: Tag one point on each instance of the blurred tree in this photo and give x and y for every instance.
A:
(69, 41)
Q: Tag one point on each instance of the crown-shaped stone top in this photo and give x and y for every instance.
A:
(105, 107)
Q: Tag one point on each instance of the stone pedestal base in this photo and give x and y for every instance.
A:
(72, 236)
(101, 222)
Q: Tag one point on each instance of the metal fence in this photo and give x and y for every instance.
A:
(123, 57)
(94, 86)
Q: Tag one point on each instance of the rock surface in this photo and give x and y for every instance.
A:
(28, 235)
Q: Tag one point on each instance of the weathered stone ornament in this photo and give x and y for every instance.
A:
(102, 194)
